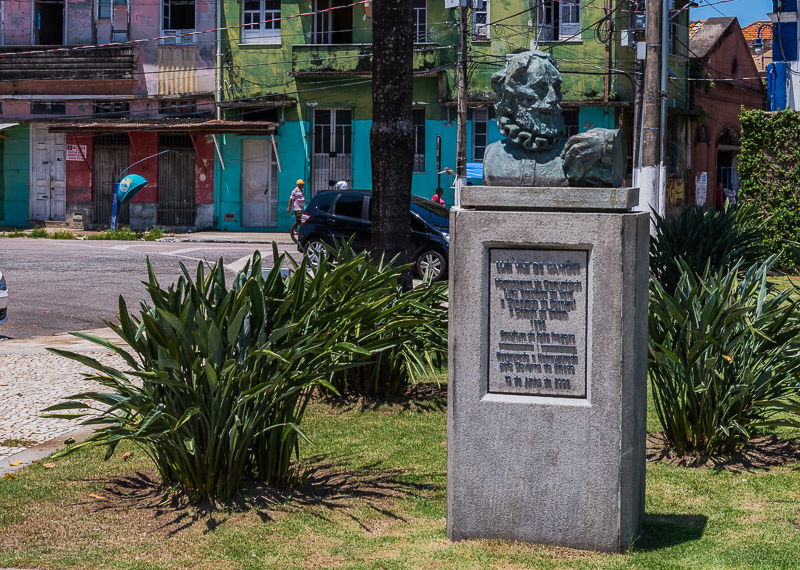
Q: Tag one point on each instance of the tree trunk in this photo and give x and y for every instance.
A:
(392, 134)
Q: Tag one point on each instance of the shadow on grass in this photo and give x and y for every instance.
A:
(422, 397)
(662, 531)
(328, 487)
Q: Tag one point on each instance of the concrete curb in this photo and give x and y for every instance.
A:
(39, 452)
(65, 341)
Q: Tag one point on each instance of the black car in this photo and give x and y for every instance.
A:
(339, 215)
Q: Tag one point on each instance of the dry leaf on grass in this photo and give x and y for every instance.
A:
(127, 455)
(9, 476)
(48, 465)
(98, 497)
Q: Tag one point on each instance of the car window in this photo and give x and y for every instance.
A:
(432, 213)
(325, 200)
(349, 206)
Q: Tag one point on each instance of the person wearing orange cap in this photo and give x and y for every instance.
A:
(297, 202)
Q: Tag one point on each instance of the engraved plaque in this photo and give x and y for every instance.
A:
(538, 316)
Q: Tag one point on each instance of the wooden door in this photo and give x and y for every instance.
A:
(259, 184)
(48, 174)
(111, 157)
(176, 181)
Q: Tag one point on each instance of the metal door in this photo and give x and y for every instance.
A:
(332, 158)
(259, 184)
(176, 204)
(111, 157)
(48, 174)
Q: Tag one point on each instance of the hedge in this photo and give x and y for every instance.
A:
(769, 167)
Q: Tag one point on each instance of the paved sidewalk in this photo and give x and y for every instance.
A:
(32, 379)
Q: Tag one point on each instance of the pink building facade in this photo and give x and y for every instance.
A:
(79, 116)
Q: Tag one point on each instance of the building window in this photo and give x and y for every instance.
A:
(177, 108)
(111, 109)
(333, 26)
(571, 119)
(48, 108)
(480, 20)
(419, 140)
(103, 9)
(420, 21)
(262, 22)
(480, 133)
(558, 20)
(178, 19)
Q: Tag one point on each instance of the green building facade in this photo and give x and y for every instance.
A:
(14, 176)
(310, 71)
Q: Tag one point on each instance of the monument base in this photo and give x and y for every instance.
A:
(547, 386)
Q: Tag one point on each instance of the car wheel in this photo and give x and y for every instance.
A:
(316, 250)
(433, 264)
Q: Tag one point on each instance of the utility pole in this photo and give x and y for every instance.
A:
(461, 135)
(650, 195)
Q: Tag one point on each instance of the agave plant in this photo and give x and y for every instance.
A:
(701, 237)
(219, 376)
(406, 342)
(724, 357)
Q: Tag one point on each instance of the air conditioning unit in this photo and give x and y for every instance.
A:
(176, 37)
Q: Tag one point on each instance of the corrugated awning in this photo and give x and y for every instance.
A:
(7, 125)
(200, 126)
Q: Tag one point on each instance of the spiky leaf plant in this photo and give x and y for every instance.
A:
(219, 376)
(724, 356)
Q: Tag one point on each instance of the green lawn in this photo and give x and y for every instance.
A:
(378, 501)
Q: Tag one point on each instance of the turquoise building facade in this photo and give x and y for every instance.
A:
(310, 72)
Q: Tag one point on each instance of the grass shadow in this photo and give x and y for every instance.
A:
(328, 487)
(422, 397)
(665, 530)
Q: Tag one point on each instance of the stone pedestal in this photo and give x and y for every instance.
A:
(548, 366)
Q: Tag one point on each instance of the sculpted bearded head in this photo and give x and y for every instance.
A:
(528, 91)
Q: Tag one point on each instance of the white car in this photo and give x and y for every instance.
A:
(3, 299)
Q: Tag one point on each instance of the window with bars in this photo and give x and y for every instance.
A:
(419, 139)
(48, 108)
(480, 133)
(177, 18)
(558, 20)
(571, 121)
(177, 108)
(480, 20)
(261, 19)
(420, 21)
(111, 109)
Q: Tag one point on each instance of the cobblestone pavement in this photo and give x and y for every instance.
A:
(28, 384)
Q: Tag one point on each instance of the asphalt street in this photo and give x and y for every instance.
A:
(71, 285)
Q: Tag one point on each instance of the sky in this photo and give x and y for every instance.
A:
(748, 11)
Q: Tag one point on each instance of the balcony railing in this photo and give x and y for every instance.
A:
(356, 59)
(41, 63)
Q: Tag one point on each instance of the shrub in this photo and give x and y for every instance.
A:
(701, 238)
(125, 234)
(220, 376)
(769, 166)
(724, 351)
(416, 319)
(38, 233)
(62, 234)
(153, 234)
